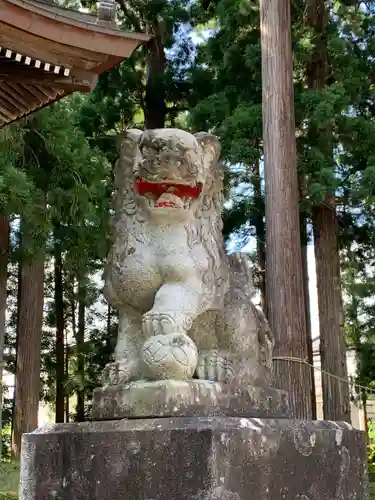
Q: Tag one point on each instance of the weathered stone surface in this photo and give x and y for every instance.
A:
(195, 459)
(203, 398)
(185, 306)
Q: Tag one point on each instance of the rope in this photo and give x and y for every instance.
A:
(305, 362)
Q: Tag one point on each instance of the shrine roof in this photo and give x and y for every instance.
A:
(48, 52)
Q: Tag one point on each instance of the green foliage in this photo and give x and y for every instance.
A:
(66, 204)
(371, 445)
(121, 98)
(9, 481)
(371, 457)
(6, 432)
(226, 79)
(359, 308)
(15, 187)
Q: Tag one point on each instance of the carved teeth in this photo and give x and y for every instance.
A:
(169, 200)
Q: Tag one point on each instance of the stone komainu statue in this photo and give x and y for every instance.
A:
(184, 305)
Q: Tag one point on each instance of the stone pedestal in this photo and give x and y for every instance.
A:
(195, 458)
(201, 398)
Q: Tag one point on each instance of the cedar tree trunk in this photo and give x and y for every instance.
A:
(284, 278)
(30, 323)
(59, 346)
(4, 250)
(336, 404)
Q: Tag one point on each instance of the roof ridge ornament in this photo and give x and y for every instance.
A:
(107, 12)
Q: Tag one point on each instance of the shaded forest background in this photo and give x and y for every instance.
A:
(200, 71)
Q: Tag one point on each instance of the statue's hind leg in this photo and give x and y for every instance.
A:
(215, 362)
(127, 364)
(233, 355)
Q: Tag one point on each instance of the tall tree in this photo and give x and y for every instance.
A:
(80, 341)
(4, 254)
(14, 196)
(155, 105)
(29, 334)
(149, 89)
(336, 405)
(60, 326)
(260, 234)
(306, 295)
(36, 161)
(69, 179)
(286, 309)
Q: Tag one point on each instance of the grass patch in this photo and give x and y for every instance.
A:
(9, 481)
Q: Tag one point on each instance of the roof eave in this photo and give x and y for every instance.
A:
(60, 25)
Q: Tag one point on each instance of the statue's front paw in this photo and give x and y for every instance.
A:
(216, 366)
(157, 323)
(119, 372)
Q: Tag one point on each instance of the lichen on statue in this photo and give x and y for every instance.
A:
(185, 306)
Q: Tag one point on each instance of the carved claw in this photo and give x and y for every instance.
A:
(119, 372)
(156, 323)
(216, 366)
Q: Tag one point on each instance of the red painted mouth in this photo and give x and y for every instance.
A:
(165, 204)
(157, 189)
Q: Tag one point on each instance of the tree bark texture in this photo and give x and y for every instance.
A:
(336, 402)
(19, 274)
(4, 251)
(27, 387)
(260, 231)
(80, 341)
(60, 340)
(336, 398)
(67, 393)
(306, 294)
(155, 108)
(284, 279)
(306, 288)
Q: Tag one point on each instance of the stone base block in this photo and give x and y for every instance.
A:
(173, 398)
(195, 459)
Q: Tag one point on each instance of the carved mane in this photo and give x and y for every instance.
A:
(206, 226)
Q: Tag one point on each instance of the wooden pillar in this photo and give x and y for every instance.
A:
(285, 289)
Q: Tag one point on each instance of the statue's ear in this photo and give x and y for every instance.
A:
(210, 146)
(128, 155)
(128, 142)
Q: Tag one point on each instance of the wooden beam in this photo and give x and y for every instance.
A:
(11, 98)
(16, 94)
(82, 81)
(285, 293)
(34, 91)
(19, 92)
(10, 60)
(5, 114)
(8, 107)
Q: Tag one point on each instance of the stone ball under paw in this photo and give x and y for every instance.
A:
(172, 356)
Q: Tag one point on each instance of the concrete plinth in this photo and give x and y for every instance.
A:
(218, 458)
